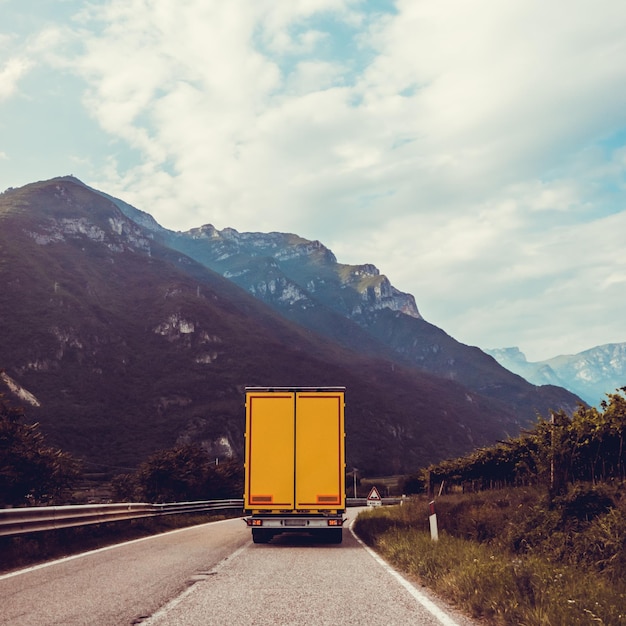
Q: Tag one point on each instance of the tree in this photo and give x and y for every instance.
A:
(30, 471)
(416, 482)
(615, 413)
(186, 473)
(588, 446)
(124, 488)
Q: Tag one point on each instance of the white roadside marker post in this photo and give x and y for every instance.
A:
(432, 519)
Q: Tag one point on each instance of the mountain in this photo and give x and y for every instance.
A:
(121, 339)
(590, 374)
(357, 307)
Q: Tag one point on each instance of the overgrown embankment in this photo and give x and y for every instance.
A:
(515, 556)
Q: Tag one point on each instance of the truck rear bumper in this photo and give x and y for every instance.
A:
(285, 523)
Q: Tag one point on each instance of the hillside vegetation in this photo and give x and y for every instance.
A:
(586, 446)
(531, 531)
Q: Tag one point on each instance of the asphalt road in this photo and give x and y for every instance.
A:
(214, 574)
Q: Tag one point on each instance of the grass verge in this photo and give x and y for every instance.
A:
(506, 564)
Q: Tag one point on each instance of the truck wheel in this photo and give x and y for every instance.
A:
(260, 535)
(335, 535)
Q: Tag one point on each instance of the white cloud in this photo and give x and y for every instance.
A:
(10, 74)
(25, 53)
(507, 87)
(470, 150)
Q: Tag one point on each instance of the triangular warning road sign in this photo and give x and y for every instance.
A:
(374, 495)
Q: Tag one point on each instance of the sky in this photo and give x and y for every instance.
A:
(473, 150)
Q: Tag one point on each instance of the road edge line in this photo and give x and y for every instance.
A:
(428, 604)
(80, 555)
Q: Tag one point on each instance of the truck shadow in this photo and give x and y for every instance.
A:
(291, 539)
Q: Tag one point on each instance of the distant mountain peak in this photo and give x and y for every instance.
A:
(303, 271)
(590, 374)
(513, 354)
(67, 211)
(279, 245)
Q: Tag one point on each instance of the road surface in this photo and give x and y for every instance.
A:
(214, 574)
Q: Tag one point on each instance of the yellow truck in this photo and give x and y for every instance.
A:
(295, 462)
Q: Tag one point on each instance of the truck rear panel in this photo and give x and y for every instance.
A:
(295, 460)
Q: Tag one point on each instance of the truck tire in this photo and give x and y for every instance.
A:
(335, 535)
(261, 535)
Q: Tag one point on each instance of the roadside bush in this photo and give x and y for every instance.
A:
(603, 545)
(372, 523)
(183, 473)
(31, 472)
(584, 502)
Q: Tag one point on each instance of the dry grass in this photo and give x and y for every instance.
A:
(508, 558)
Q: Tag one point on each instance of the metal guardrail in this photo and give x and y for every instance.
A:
(33, 519)
(39, 518)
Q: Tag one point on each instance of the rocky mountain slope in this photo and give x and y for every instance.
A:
(122, 340)
(357, 307)
(590, 374)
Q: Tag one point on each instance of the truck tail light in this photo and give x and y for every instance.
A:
(254, 522)
(335, 522)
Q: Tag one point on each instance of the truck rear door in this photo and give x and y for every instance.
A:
(319, 437)
(270, 433)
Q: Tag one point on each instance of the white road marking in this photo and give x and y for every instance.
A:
(104, 549)
(430, 606)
